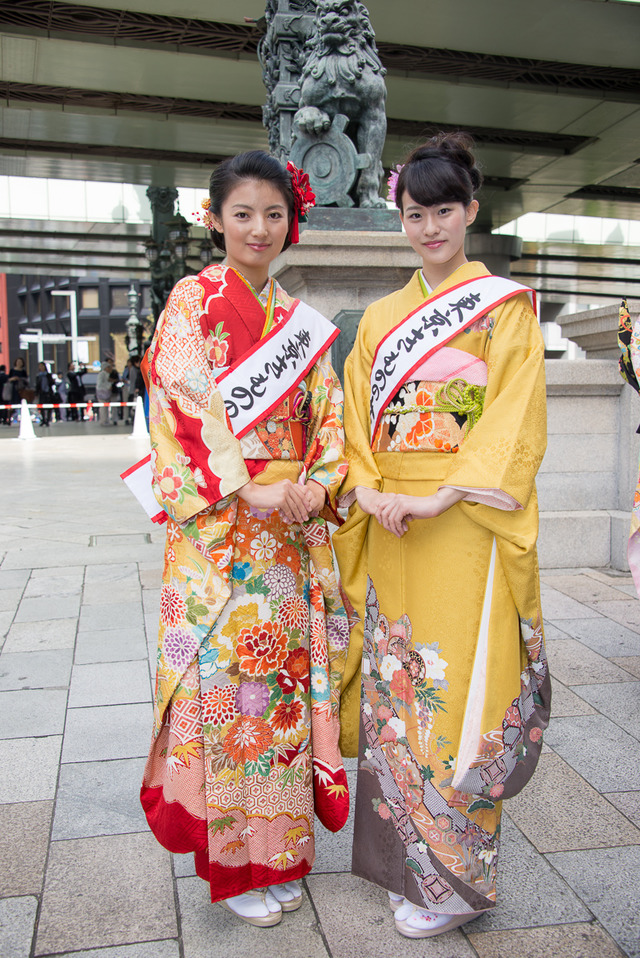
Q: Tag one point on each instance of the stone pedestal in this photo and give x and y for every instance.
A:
(334, 270)
(340, 272)
(594, 330)
(496, 251)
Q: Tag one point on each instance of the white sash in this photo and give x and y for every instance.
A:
(266, 374)
(428, 328)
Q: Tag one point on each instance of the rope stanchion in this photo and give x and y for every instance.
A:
(26, 426)
(140, 430)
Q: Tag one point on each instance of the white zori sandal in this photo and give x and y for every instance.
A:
(414, 922)
(395, 901)
(256, 907)
(289, 895)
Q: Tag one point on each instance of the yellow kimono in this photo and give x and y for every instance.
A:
(454, 692)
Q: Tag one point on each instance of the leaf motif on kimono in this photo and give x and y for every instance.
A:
(218, 759)
(200, 610)
(337, 790)
(264, 763)
(233, 846)
(413, 865)
(431, 698)
(478, 804)
(185, 752)
(256, 585)
(289, 776)
(428, 773)
(233, 669)
(293, 834)
(282, 859)
(219, 824)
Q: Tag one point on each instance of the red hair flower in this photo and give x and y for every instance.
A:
(303, 196)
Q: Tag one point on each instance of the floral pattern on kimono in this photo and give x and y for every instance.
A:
(253, 632)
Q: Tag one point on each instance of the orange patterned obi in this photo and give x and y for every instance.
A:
(284, 434)
(429, 416)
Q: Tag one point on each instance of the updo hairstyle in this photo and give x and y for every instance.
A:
(442, 170)
(253, 165)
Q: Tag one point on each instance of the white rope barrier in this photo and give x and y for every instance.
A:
(65, 405)
(140, 430)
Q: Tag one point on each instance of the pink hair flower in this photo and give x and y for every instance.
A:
(392, 183)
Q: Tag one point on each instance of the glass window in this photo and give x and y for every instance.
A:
(89, 298)
(119, 297)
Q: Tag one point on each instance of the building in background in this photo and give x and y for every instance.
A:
(27, 306)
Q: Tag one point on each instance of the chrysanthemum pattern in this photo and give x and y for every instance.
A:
(219, 704)
(293, 613)
(280, 581)
(173, 607)
(180, 647)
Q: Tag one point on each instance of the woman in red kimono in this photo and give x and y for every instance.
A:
(247, 451)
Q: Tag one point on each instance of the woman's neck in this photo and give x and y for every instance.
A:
(435, 277)
(257, 281)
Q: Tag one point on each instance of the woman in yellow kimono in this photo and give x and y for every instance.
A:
(445, 429)
(247, 452)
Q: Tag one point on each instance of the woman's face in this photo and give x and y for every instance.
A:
(19, 363)
(437, 234)
(254, 220)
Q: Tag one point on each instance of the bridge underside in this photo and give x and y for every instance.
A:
(146, 97)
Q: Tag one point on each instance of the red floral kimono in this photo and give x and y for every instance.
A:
(253, 633)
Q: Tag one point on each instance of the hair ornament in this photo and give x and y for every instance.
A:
(304, 199)
(392, 182)
(205, 217)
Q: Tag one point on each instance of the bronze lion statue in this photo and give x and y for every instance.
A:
(343, 75)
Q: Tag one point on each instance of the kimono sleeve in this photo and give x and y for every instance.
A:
(363, 470)
(327, 464)
(498, 460)
(196, 459)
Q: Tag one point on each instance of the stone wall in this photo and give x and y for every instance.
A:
(588, 476)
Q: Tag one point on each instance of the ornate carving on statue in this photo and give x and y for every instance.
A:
(330, 160)
(281, 52)
(321, 55)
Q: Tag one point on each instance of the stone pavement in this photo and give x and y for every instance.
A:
(81, 875)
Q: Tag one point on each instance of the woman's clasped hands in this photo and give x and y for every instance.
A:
(394, 511)
(296, 502)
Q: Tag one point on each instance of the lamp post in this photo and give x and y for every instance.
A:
(205, 251)
(73, 313)
(133, 324)
(167, 247)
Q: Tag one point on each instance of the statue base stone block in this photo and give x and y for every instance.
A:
(341, 271)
